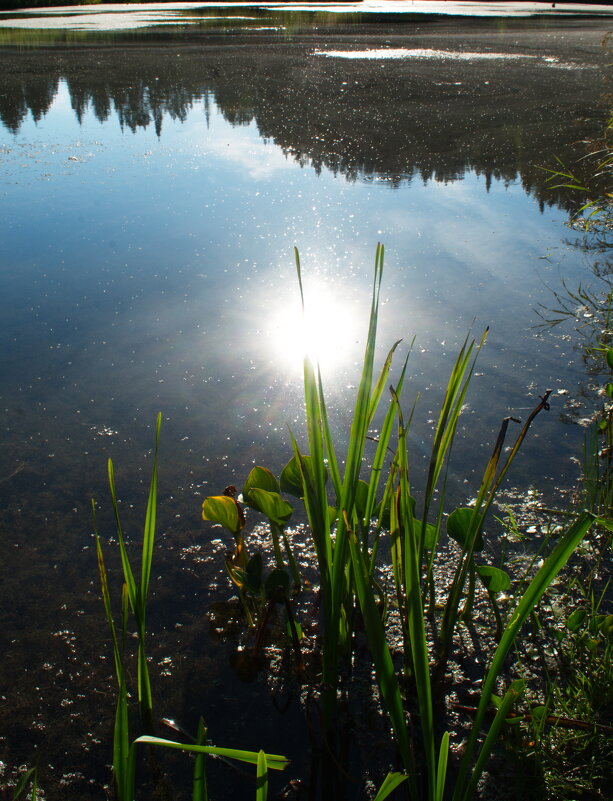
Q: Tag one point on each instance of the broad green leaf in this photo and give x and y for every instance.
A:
(494, 579)
(459, 525)
(223, 510)
(539, 712)
(261, 478)
(609, 357)
(291, 477)
(253, 573)
(270, 504)
(606, 626)
(276, 579)
(575, 620)
(431, 533)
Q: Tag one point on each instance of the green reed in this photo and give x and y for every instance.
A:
(346, 522)
(134, 597)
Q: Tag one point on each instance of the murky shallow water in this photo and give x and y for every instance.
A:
(153, 188)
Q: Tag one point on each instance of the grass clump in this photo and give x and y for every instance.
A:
(349, 506)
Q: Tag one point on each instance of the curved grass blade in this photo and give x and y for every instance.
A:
(391, 781)
(273, 761)
(535, 590)
(510, 697)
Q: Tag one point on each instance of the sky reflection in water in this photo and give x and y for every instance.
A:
(159, 273)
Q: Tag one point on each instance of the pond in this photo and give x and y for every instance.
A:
(158, 168)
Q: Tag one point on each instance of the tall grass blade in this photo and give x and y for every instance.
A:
(382, 659)
(382, 447)
(510, 697)
(200, 792)
(150, 519)
(357, 441)
(125, 561)
(415, 607)
(261, 792)
(441, 770)
(446, 427)
(485, 497)
(535, 590)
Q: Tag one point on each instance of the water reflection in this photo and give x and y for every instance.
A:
(437, 123)
(152, 197)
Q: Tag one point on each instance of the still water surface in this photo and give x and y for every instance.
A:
(154, 185)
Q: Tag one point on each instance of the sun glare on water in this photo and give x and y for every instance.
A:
(327, 331)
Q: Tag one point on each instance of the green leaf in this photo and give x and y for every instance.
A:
(391, 781)
(261, 478)
(494, 579)
(609, 390)
(253, 573)
(609, 357)
(539, 712)
(516, 688)
(576, 619)
(459, 525)
(223, 510)
(277, 578)
(430, 534)
(532, 595)
(606, 626)
(23, 781)
(441, 771)
(291, 477)
(270, 504)
(607, 522)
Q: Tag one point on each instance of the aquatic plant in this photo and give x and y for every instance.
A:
(134, 597)
(346, 546)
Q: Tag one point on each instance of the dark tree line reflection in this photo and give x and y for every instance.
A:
(393, 121)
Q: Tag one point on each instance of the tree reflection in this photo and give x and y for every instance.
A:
(392, 121)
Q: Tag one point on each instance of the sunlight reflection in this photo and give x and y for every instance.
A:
(327, 331)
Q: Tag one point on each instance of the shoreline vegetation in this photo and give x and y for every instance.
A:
(358, 521)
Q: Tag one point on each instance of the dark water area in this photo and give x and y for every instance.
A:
(154, 185)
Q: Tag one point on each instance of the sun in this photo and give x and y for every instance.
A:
(326, 331)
